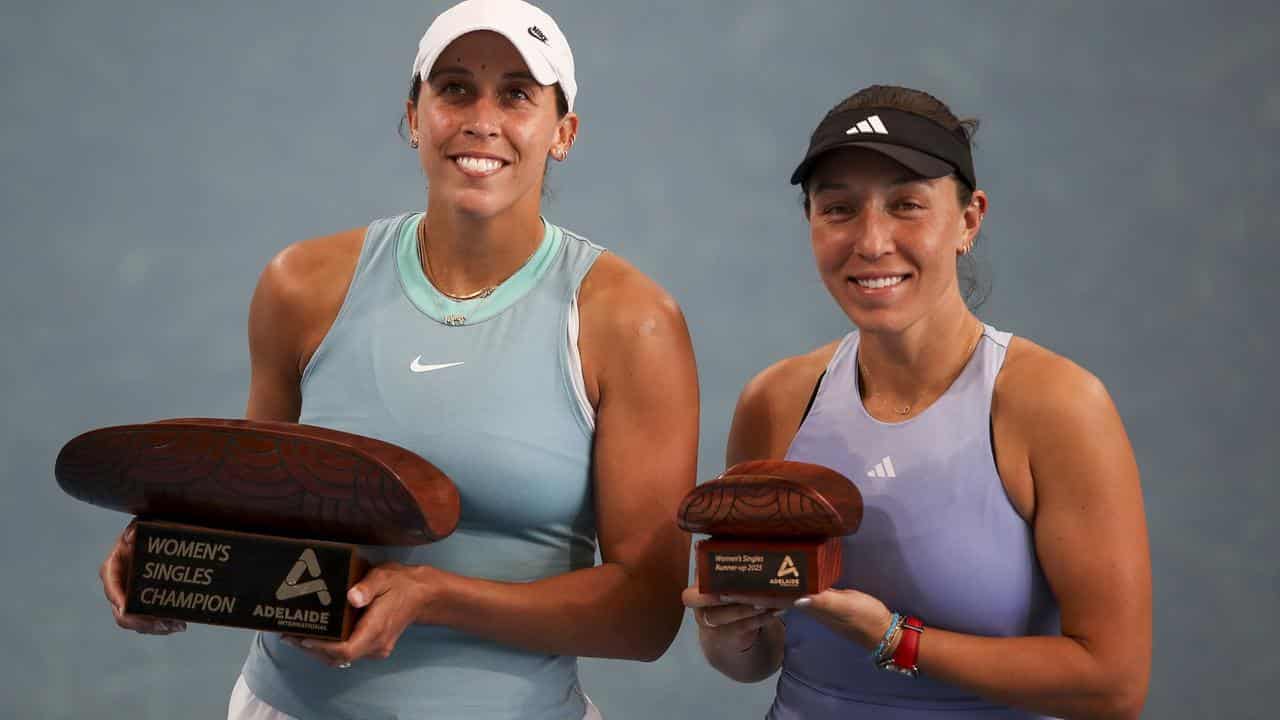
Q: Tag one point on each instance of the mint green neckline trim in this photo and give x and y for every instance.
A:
(437, 306)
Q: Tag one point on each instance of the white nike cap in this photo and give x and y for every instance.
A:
(534, 33)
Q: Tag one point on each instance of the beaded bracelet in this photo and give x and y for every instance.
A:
(895, 622)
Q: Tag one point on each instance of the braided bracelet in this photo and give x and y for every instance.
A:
(895, 623)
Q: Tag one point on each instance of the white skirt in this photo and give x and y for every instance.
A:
(245, 705)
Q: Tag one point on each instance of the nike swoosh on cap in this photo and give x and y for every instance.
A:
(418, 367)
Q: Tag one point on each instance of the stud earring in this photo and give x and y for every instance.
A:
(413, 142)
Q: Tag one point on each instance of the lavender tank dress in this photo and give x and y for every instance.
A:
(939, 539)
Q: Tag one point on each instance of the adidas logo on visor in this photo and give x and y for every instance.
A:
(870, 125)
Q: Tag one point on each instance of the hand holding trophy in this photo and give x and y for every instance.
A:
(252, 524)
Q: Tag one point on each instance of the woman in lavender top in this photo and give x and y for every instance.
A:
(1002, 567)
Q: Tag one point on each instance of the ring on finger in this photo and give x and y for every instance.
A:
(343, 665)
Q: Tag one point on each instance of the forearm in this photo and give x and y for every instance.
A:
(757, 662)
(603, 611)
(1056, 675)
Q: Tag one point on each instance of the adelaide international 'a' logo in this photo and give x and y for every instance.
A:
(788, 568)
(307, 563)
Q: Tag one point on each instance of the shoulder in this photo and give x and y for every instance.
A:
(309, 274)
(1045, 393)
(300, 291)
(782, 382)
(772, 404)
(308, 265)
(618, 302)
(634, 342)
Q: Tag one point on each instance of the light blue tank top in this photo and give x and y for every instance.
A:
(501, 417)
(939, 539)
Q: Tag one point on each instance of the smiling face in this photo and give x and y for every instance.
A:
(886, 240)
(485, 127)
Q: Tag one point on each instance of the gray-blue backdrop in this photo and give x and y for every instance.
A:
(152, 159)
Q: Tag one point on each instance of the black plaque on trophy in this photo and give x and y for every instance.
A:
(247, 580)
(752, 568)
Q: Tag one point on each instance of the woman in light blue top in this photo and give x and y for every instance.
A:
(1001, 569)
(552, 381)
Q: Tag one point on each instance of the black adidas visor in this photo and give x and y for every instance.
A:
(918, 143)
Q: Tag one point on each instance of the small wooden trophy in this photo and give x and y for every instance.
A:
(775, 526)
(255, 524)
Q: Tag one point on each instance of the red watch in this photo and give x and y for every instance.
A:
(904, 658)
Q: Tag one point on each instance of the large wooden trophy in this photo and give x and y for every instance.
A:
(776, 528)
(255, 524)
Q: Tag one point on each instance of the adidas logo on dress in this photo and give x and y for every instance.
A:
(870, 125)
(884, 468)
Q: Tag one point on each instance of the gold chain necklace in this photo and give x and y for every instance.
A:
(426, 266)
(906, 409)
(481, 295)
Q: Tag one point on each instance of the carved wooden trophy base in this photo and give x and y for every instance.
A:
(226, 505)
(776, 528)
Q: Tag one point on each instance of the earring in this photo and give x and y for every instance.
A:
(559, 154)
(968, 246)
(413, 142)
